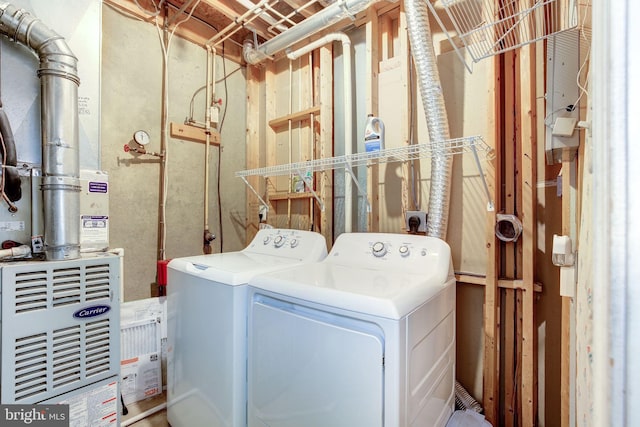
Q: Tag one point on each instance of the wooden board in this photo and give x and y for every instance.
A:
(527, 74)
(193, 133)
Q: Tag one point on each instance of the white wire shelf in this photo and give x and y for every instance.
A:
(473, 144)
(400, 154)
(487, 27)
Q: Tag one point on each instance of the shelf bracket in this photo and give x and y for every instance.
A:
(349, 170)
(306, 184)
(262, 202)
(490, 204)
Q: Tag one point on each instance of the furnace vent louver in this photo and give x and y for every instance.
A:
(30, 366)
(31, 291)
(50, 345)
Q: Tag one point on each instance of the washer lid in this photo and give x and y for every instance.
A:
(232, 268)
(390, 294)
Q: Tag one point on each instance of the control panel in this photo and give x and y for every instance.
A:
(408, 253)
(289, 243)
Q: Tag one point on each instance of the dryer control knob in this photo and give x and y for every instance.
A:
(379, 249)
(278, 241)
(293, 243)
(404, 250)
(266, 240)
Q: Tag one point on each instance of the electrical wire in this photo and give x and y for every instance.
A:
(224, 115)
(200, 89)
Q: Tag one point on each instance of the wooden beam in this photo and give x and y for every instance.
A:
(311, 8)
(527, 74)
(326, 140)
(502, 283)
(192, 30)
(193, 133)
(294, 117)
(372, 69)
(511, 165)
(233, 11)
(491, 356)
(255, 80)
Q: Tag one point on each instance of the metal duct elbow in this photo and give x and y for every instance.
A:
(435, 112)
(59, 83)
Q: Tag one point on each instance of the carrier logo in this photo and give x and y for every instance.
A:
(93, 311)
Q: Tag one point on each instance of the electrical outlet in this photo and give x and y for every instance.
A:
(421, 215)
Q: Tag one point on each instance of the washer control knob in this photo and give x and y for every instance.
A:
(404, 250)
(266, 240)
(379, 249)
(293, 243)
(278, 241)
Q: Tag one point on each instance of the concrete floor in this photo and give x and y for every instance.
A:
(158, 419)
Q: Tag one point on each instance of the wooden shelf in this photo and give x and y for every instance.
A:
(290, 196)
(294, 117)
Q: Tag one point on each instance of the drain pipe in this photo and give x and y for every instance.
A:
(59, 83)
(348, 110)
(435, 113)
(207, 236)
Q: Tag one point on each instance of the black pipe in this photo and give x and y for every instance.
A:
(12, 184)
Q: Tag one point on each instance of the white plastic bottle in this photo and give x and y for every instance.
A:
(373, 134)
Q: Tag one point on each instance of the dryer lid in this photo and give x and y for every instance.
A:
(380, 293)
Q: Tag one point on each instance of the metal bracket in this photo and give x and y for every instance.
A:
(262, 202)
(349, 170)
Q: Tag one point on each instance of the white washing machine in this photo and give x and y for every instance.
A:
(364, 338)
(207, 322)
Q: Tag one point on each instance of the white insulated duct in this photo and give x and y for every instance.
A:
(435, 113)
(59, 83)
(330, 15)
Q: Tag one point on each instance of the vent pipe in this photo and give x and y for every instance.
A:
(59, 83)
(435, 113)
(335, 12)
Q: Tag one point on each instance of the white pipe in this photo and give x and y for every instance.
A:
(15, 252)
(143, 415)
(348, 110)
(330, 15)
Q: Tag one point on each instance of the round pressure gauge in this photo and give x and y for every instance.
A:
(141, 137)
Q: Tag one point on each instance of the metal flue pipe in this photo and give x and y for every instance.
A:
(59, 83)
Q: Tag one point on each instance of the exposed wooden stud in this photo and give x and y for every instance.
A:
(490, 386)
(527, 74)
(398, 31)
(254, 81)
(270, 134)
(510, 167)
(326, 139)
(372, 61)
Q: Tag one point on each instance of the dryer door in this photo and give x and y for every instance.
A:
(311, 368)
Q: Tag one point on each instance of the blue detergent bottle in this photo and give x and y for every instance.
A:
(373, 134)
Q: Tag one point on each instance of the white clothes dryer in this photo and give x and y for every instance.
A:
(207, 325)
(365, 338)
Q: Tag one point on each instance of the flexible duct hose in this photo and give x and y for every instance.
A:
(435, 113)
(12, 183)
